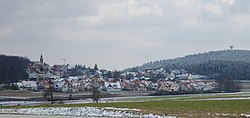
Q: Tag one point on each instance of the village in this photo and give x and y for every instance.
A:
(80, 78)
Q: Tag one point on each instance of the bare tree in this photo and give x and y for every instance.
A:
(227, 84)
(69, 86)
(48, 92)
(96, 90)
(96, 94)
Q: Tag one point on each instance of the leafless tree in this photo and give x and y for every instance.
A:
(96, 94)
(48, 92)
(227, 84)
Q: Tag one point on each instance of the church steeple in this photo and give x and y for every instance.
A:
(41, 59)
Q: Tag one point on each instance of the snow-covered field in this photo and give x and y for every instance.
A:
(84, 111)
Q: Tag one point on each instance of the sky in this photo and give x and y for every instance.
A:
(117, 34)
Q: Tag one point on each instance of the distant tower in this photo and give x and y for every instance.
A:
(231, 47)
(41, 59)
(96, 67)
(65, 61)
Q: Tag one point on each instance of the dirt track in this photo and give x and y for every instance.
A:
(36, 116)
(15, 95)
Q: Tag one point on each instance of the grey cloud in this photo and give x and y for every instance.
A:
(240, 6)
(30, 9)
(130, 32)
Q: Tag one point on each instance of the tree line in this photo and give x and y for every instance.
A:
(13, 68)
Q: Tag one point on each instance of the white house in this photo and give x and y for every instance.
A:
(163, 87)
(174, 87)
(113, 86)
(27, 85)
(63, 85)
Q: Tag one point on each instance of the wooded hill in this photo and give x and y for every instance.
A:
(235, 63)
(13, 68)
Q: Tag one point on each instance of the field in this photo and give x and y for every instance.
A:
(196, 105)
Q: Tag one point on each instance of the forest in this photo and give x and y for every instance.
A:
(213, 68)
(13, 68)
(233, 63)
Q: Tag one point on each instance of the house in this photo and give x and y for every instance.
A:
(163, 87)
(67, 87)
(27, 85)
(71, 84)
(142, 87)
(43, 84)
(124, 84)
(137, 85)
(170, 77)
(198, 86)
(174, 87)
(113, 86)
(167, 85)
(186, 87)
(152, 86)
(134, 84)
(88, 87)
(79, 85)
(87, 84)
(64, 85)
(210, 86)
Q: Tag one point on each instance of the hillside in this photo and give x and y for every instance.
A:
(231, 62)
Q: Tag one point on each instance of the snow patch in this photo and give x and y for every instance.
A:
(245, 115)
(84, 111)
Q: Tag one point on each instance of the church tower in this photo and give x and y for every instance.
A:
(41, 59)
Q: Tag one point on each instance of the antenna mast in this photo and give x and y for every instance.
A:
(65, 61)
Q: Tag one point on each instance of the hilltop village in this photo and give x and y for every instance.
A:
(81, 78)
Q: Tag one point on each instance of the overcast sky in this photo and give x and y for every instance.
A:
(116, 34)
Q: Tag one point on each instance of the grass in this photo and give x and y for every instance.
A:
(180, 108)
(191, 97)
(171, 107)
(204, 97)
